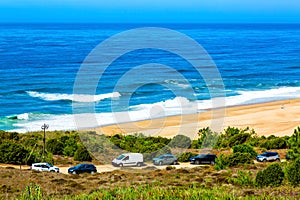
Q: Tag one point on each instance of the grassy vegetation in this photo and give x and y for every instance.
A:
(234, 175)
(201, 182)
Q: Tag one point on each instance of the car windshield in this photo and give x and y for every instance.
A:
(49, 165)
(78, 166)
(161, 156)
(201, 156)
(264, 154)
(120, 157)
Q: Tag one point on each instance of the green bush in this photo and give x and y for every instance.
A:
(274, 143)
(238, 158)
(195, 144)
(293, 172)
(294, 145)
(273, 175)
(82, 154)
(207, 138)
(184, 157)
(55, 146)
(243, 179)
(220, 162)
(235, 136)
(13, 153)
(180, 141)
(238, 139)
(70, 147)
(245, 148)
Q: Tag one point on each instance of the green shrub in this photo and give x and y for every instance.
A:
(55, 146)
(195, 144)
(238, 139)
(207, 138)
(274, 143)
(70, 147)
(245, 148)
(220, 162)
(294, 144)
(243, 179)
(238, 158)
(180, 141)
(273, 175)
(12, 153)
(184, 157)
(293, 172)
(82, 154)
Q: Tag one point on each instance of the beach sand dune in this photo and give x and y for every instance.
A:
(274, 118)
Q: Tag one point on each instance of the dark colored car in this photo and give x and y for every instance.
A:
(82, 168)
(165, 159)
(203, 159)
(268, 156)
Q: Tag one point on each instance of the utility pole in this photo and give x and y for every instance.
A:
(44, 127)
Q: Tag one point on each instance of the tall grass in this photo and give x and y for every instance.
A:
(33, 192)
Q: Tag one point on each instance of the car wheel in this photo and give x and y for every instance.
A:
(197, 162)
(120, 165)
(139, 164)
(52, 171)
(277, 160)
(212, 162)
(265, 160)
(160, 163)
(74, 172)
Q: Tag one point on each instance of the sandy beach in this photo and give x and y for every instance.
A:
(274, 118)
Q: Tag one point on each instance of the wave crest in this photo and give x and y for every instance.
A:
(72, 97)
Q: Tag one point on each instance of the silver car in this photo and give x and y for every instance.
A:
(165, 159)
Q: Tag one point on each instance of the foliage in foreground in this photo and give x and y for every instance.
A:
(293, 172)
(273, 175)
(34, 192)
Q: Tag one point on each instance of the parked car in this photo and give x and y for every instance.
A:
(44, 167)
(129, 159)
(165, 159)
(82, 168)
(203, 159)
(268, 156)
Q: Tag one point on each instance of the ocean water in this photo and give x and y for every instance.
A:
(39, 63)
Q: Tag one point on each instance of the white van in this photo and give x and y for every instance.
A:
(129, 159)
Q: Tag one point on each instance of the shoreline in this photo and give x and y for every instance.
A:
(278, 118)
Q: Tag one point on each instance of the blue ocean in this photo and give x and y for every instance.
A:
(39, 64)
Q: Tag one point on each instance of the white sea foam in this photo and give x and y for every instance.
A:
(73, 97)
(176, 106)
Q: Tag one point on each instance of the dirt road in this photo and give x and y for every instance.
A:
(107, 168)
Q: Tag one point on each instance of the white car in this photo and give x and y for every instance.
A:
(44, 167)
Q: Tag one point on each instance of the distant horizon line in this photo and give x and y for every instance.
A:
(226, 23)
